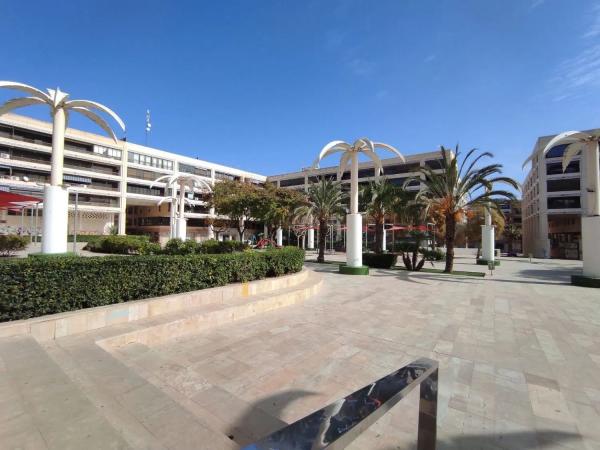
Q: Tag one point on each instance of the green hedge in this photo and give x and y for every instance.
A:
(210, 247)
(10, 243)
(37, 286)
(380, 260)
(123, 245)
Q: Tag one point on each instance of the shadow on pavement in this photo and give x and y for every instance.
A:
(523, 440)
(261, 418)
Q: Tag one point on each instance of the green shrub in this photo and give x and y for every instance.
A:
(31, 287)
(118, 244)
(380, 260)
(85, 237)
(10, 243)
(433, 255)
(176, 246)
(212, 246)
(51, 255)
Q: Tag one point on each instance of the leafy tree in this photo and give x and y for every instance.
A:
(460, 186)
(512, 233)
(378, 199)
(237, 200)
(326, 201)
(277, 206)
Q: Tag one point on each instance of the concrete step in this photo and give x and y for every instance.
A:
(81, 391)
(41, 407)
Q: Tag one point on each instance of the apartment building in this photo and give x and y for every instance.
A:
(553, 204)
(113, 182)
(395, 170)
(513, 215)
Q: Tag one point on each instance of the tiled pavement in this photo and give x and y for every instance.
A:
(519, 357)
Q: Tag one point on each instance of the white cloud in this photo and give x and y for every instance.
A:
(536, 3)
(576, 75)
(594, 29)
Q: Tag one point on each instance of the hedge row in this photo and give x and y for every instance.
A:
(38, 286)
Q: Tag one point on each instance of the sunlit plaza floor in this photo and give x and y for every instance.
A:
(519, 356)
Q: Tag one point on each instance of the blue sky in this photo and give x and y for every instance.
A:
(263, 85)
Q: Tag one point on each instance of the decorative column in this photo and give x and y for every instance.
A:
(384, 239)
(590, 226)
(211, 228)
(279, 237)
(311, 238)
(181, 229)
(56, 197)
(487, 238)
(354, 220)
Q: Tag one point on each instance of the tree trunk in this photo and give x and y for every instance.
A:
(241, 232)
(379, 236)
(322, 240)
(450, 235)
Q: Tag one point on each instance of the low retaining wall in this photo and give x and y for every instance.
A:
(65, 324)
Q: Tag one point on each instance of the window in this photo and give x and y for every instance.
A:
(135, 189)
(556, 152)
(224, 176)
(556, 168)
(568, 184)
(564, 202)
(107, 151)
(147, 160)
(401, 168)
(434, 164)
(291, 182)
(195, 170)
(365, 173)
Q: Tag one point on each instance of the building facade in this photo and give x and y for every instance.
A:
(112, 182)
(395, 171)
(553, 204)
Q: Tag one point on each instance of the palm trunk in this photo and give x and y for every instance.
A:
(379, 236)
(450, 235)
(322, 240)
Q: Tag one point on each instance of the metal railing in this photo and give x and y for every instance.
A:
(338, 424)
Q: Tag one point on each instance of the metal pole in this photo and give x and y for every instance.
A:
(37, 208)
(75, 222)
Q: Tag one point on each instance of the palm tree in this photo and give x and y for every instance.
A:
(458, 187)
(55, 196)
(184, 180)
(349, 159)
(379, 198)
(326, 201)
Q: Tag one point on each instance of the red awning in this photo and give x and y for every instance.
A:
(10, 200)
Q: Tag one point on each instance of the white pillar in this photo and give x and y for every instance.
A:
(55, 219)
(211, 228)
(590, 159)
(311, 238)
(354, 220)
(354, 185)
(487, 242)
(487, 237)
(279, 236)
(383, 242)
(181, 222)
(354, 240)
(58, 147)
(590, 237)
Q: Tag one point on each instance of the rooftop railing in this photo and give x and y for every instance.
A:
(338, 424)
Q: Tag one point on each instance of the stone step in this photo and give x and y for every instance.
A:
(80, 391)
(42, 408)
(157, 330)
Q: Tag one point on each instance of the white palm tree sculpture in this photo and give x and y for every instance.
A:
(586, 144)
(349, 159)
(56, 198)
(183, 180)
